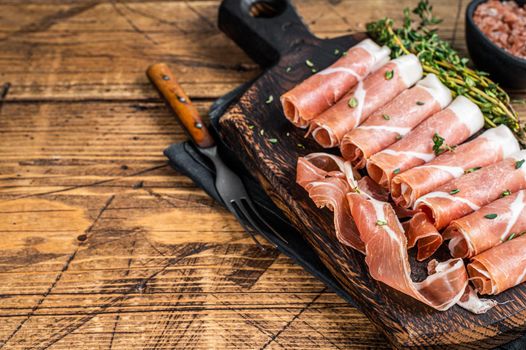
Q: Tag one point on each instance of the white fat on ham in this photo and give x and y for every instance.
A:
(438, 90)
(468, 113)
(502, 137)
(410, 69)
(380, 53)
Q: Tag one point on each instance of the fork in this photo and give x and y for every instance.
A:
(228, 185)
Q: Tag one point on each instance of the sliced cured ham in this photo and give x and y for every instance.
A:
(461, 119)
(367, 96)
(388, 262)
(421, 231)
(323, 89)
(490, 147)
(471, 302)
(476, 232)
(471, 191)
(393, 121)
(328, 179)
(499, 268)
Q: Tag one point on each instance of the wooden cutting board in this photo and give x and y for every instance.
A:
(274, 36)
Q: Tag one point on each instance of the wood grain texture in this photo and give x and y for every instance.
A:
(405, 322)
(100, 246)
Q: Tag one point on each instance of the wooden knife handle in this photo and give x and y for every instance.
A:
(164, 80)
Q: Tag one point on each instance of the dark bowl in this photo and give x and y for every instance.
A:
(504, 68)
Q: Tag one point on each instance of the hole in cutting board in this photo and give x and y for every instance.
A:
(266, 8)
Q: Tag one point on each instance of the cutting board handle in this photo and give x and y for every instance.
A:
(264, 29)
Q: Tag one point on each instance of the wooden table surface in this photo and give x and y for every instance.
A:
(102, 244)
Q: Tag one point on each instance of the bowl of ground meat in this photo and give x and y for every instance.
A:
(496, 39)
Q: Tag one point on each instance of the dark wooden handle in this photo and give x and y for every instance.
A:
(264, 29)
(164, 80)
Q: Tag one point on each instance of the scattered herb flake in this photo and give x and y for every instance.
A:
(262, 132)
(386, 117)
(389, 74)
(251, 127)
(398, 137)
(511, 236)
(381, 222)
(420, 103)
(336, 52)
(273, 140)
(313, 70)
(309, 63)
(439, 146)
(353, 102)
(490, 216)
(300, 145)
(269, 99)
(470, 170)
(455, 191)
(288, 134)
(396, 171)
(519, 163)
(344, 54)
(506, 193)
(288, 69)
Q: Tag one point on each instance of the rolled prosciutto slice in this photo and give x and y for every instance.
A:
(323, 89)
(488, 227)
(499, 268)
(421, 231)
(328, 179)
(393, 121)
(471, 191)
(388, 262)
(490, 147)
(453, 125)
(366, 97)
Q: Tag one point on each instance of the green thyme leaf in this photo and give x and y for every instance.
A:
(455, 191)
(273, 140)
(386, 117)
(381, 222)
(470, 170)
(269, 99)
(506, 193)
(420, 103)
(353, 102)
(336, 52)
(490, 216)
(389, 74)
(519, 163)
(288, 69)
(396, 171)
(309, 63)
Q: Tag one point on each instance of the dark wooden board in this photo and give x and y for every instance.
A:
(281, 41)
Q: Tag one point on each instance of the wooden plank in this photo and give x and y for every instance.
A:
(105, 246)
(92, 50)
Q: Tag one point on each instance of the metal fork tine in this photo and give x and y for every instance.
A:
(247, 229)
(250, 219)
(256, 213)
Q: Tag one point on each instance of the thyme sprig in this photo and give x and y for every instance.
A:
(438, 57)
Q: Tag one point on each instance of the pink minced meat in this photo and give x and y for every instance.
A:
(504, 23)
